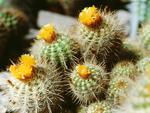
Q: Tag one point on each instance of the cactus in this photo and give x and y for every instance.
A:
(118, 89)
(100, 34)
(33, 88)
(87, 82)
(125, 68)
(57, 48)
(15, 21)
(98, 107)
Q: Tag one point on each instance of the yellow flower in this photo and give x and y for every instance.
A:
(47, 33)
(27, 59)
(83, 71)
(90, 16)
(24, 69)
(22, 72)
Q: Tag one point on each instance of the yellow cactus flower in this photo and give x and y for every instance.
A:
(90, 16)
(22, 72)
(24, 69)
(83, 71)
(47, 33)
(27, 59)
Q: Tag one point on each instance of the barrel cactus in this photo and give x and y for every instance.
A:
(56, 47)
(87, 82)
(33, 88)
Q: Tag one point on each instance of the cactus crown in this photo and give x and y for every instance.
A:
(47, 33)
(83, 71)
(24, 69)
(90, 16)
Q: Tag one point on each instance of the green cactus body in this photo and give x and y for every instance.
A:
(15, 21)
(43, 93)
(61, 52)
(142, 64)
(99, 107)
(9, 20)
(125, 69)
(86, 90)
(118, 89)
(104, 39)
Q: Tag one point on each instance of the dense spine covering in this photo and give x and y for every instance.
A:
(87, 82)
(118, 89)
(33, 89)
(125, 69)
(57, 48)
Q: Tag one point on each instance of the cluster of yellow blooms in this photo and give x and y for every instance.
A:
(24, 69)
(47, 33)
(83, 71)
(90, 16)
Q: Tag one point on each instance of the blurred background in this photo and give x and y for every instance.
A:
(21, 19)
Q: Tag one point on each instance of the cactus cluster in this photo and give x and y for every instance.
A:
(86, 68)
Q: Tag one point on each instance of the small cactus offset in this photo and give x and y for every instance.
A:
(99, 33)
(56, 47)
(118, 89)
(87, 82)
(125, 69)
(33, 88)
(98, 107)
